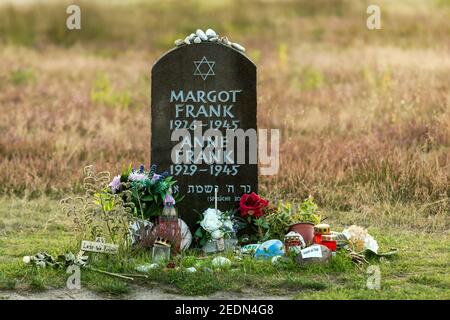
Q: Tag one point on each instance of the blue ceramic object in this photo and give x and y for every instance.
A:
(269, 249)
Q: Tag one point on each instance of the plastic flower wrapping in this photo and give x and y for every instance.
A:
(360, 239)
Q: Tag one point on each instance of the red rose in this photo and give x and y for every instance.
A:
(252, 205)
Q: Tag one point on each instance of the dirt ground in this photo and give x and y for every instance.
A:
(137, 293)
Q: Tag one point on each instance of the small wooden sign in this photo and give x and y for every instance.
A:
(99, 246)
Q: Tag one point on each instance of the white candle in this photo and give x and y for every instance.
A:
(215, 198)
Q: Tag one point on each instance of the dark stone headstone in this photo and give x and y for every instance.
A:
(181, 82)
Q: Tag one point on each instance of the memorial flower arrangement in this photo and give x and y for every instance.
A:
(359, 239)
(149, 190)
(111, 205)
(215, 225)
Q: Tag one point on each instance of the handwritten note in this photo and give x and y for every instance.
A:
(311, 252)
(100, 247)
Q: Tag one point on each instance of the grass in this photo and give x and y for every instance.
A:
(420, 271)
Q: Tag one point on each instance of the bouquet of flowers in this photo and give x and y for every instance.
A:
(359, 239)
(149, 190)
(215, 225)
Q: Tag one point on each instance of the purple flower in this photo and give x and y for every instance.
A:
(169, 200)
(156, 177)
(141, 168)
(136, 176)
(115, 184)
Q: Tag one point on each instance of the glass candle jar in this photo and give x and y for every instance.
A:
(329, 241)
(319, 230)
(317, 238)
(322, 228)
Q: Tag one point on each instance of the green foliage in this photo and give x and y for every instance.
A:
(22, 76)
(279, 220)
(307, 212)
(308, 79)
(283, 54)
(104, 199)
(148, 195)
(103, 93)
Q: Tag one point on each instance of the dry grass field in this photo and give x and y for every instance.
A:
(364, 114)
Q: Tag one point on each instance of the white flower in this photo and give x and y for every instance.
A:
(26, 259)
(217, 234)
(211, 220)
(228, 224)
(360, 238)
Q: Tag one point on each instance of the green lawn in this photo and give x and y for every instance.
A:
(420, 271)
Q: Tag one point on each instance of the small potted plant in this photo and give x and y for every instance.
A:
(305, 219)
(279, 220)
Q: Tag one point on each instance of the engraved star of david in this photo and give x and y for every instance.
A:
(201, 66)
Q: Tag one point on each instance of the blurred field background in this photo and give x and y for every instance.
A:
(364, 114)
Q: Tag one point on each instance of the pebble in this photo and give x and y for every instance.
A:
(191, 270)
(276, 260)
(237, 46)
(221, 262)
(191, 36)
(208, 270)
(201, 35)
(179, 42)
(210, 33)
(147, 267)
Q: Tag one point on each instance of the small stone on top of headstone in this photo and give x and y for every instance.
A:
(237, 46)
(179, 42)
(197, 40)
(210, 33)
(201, 35)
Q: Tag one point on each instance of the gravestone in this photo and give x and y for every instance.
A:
(215, 84)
